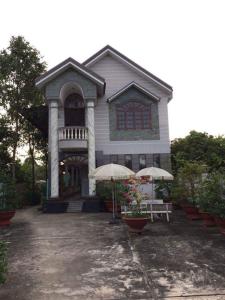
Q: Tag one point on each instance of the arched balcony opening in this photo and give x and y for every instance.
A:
(73, 104)
(74, 110)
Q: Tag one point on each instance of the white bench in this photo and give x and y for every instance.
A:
(150, 209)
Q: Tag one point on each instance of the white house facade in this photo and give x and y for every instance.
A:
(107, 109)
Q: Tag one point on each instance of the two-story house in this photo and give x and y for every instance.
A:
(107, 109)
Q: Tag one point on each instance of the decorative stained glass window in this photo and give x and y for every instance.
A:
(133, 116)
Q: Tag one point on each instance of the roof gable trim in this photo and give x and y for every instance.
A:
(42, 80)
(137, 86)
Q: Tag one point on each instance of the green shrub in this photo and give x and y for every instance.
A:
(104, 190)
(33, 198)
(3, 262)
(7, 193)
(211, 194)
(164, 189)
(185, 186)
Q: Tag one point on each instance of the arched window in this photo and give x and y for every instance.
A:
(74, 101)
(74, 110)
(133, 115)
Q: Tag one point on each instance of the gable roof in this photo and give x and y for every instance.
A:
(69, 63)
(130, 85)
(110, 50)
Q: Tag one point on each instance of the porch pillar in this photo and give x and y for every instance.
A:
(91, 142)
(54, 147)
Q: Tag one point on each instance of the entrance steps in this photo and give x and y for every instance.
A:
(75, 206)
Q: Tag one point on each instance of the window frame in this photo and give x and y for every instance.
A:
(139, 157)
(113, 158)
(156, 160)
(131, 110)
(128, 163)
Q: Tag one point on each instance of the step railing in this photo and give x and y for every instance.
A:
(73, 133)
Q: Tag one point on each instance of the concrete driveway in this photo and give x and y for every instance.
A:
(81, 256)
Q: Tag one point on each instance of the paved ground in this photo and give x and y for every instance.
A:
(82, 257)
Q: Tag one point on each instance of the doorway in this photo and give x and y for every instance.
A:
(73, 175)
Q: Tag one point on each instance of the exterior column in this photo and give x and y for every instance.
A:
(54, 147)
(91, 143)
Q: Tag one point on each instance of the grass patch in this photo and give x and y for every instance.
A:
(3, 262)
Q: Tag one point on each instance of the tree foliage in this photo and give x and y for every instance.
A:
(20, 65)
(198, 147)
(36, 144)
(211, 194)
(6, 137)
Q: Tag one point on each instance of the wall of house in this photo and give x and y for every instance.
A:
(117, 75)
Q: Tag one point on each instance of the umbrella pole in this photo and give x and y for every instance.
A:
(152, 188)
(113, 197)
(113, 221)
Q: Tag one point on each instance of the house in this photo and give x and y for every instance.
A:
(107, 109)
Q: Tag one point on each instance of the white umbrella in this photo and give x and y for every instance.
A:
(111, 172)
(155, 173)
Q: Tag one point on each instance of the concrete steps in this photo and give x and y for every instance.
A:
(75, 206)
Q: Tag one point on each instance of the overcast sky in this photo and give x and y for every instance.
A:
(181, 42)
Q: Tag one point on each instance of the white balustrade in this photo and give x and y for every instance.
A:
(73, 133)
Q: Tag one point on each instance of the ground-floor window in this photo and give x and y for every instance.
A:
(142, 161)
(156, 160)
(128, 160)
(114, 159)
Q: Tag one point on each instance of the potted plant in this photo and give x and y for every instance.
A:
(181, 198)
(7, 200)
(135, 219)
(104, 192)
(218, 204)
(187, 182)
(207, 194)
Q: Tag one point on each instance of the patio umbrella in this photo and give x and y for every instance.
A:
(112, 172)
(155, 174)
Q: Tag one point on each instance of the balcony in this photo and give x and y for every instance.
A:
(73, 137)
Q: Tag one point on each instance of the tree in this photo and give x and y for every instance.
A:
(6, 137)
(201, 148)
(20, 65)
(37, 144)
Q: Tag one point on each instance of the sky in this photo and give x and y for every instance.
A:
(180, 41)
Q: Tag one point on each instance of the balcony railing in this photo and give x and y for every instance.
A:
(73, 133)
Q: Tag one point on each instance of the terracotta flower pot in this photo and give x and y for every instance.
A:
(5, 217)
(208, 219)
(191, 211)
(135, 224)
(221, 224)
